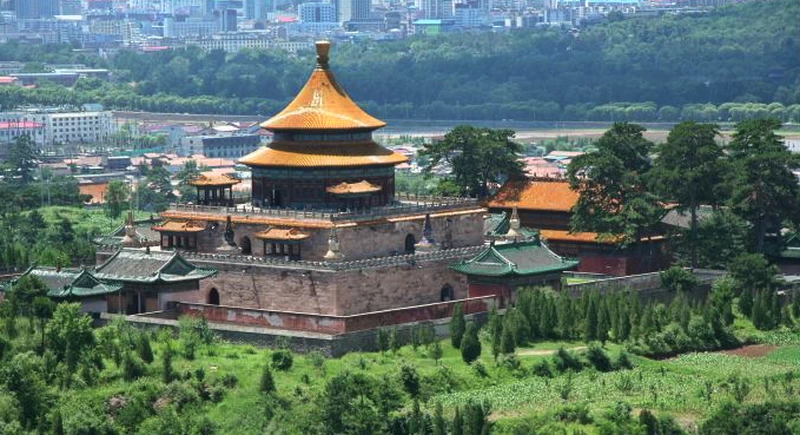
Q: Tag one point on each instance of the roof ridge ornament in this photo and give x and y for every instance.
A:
(333, 253)
(323, 52)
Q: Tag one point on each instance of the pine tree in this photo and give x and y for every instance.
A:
(267, 381)
(382, 339)
(143, 349)
(603, 322)
(746, 302)
(458, 423)
(535, 313)
(590, 328)
(547, 321)
(564, 315)
(507, 343)
(470, 345)
(438, 420)
(394, 342)
(796, 304)
(457, 326)
(496, 329)
(167, 374)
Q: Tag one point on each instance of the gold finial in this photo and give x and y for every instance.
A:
(323, 48)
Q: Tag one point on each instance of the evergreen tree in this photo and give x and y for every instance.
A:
(496, 329)
(382, 340)
(470, 345)
(547, 320)
(603, 321)
(688, 170)
(564, 315)
(590, 328)
(458, 423)
(267, 385)
(438, 420)
(167, 373)
(457, 325)
(796, 304)
(143, 348)
(746, 302)
(507, 343)
(765, 192)
(394, 342)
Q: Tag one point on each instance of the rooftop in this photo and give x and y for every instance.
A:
(149, 267)
(215, 180)
(520, 259)
(322, 104)
(299, 154)
(539, 194)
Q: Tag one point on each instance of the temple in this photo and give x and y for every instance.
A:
(322, 154)
(324, 248)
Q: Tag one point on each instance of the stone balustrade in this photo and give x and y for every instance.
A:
(368, 263)
(406, 204)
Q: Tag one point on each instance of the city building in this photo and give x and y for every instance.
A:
(437, 9)
(317, 12)
(62, 127)
(352, 10)
(31, 9)
(230, 146)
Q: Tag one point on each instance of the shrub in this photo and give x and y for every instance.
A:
(509, 361)
(598, 358)
(229, 380)
(480, 369)
(132, 367)
(470, 345)
(574, 414)
(565, 360)
(282, 359)
(677, 279)
(410, 380)
(624, 361)
(317, 359)
(267, 381)
(542, 369)
(143, 349)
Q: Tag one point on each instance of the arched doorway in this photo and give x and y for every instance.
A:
(446, 294)
(244, 244)
(213, 297)
(409, 245)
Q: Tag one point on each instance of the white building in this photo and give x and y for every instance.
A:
(467, 16)
(315, 12)
(64, 127)
(233, 42)
(352, 10)
(437, 9)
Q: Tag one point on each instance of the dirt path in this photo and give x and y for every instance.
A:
(751, 351)
(545, 352)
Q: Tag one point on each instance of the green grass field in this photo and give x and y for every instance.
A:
(687, 387)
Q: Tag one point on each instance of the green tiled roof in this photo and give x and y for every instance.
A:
(498, 224)
(145, 266)
(514, 259)
(65, 283)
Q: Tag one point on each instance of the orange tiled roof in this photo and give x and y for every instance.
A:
(322, 155)
(96, 190)
(282, 234)
(535, 194)
(588, 237)
(322, 104)
(215, 180)
(180, 226)
(343, 188)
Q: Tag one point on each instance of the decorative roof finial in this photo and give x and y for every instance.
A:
(333, 253)
(130, 240)
(427, 243)
(513, 225)
(323, 49)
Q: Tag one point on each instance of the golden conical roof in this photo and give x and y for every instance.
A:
(322, 104)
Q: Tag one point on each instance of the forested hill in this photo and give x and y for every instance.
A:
(643, 68)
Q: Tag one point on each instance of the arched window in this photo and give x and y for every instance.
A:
(410, 242)
(446, 294)
(244, 244)
(213, 297)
